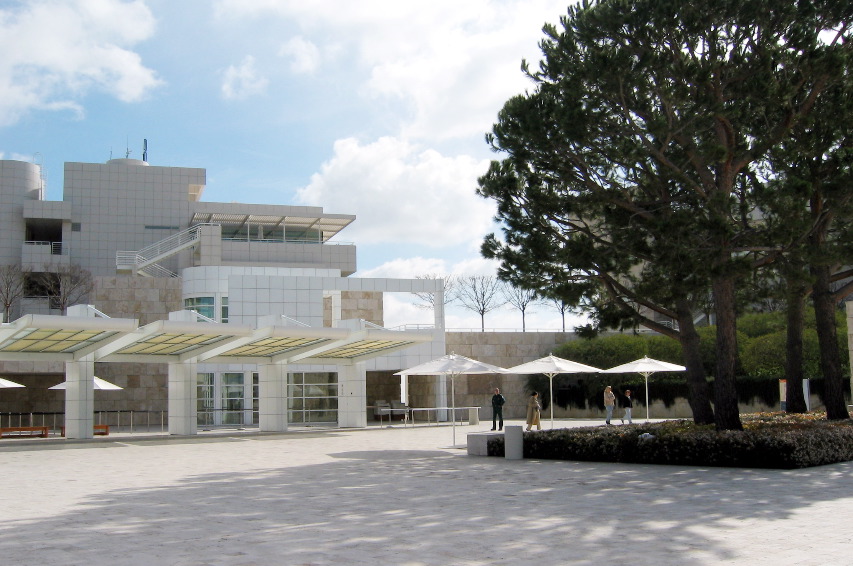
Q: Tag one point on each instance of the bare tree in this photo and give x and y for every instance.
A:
(451, 290)
(521, 299)
(481, 294)
(66, 285)
(562, 308)
(13, 279)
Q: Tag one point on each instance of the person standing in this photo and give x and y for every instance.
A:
(533, 410)
(609, 403)
(498, 410)
(629, 404)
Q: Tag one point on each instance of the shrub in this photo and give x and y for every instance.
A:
(769, 440)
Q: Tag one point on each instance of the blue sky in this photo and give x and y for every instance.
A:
(376, 108)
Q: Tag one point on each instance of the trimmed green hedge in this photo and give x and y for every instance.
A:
(769, 440)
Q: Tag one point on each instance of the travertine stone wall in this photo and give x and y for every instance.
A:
(144, 298)
(366, 305)
(147, 299)
(504, 349)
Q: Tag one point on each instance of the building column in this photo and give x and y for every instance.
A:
(183, 393)
(80, 398)
(352, 396)
(272, 401)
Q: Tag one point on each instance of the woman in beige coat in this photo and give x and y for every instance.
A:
(533, 409)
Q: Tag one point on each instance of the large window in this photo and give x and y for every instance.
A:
(205, 405)
(204, 306)
(233, 398)
(312, 397)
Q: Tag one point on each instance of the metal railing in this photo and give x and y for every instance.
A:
(145, 258)
(56, 248)
(119, 421)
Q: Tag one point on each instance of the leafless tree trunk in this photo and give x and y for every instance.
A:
(451, 290)
(66, 285)
(13, 280)
(521, 299)
(481, 294)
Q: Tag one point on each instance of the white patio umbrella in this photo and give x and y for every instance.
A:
(99, 384)
(452, 365)
(4, 383)
(645, 366)
(551, 365)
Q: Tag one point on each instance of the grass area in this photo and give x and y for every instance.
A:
(769, 440)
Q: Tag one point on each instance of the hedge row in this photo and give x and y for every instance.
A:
(763, 444)
(586, 392)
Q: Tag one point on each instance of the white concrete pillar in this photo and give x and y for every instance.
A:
(183, 393)
(352, 396)
(438, 310)
(80, 398)
(272, 400)
(513, 443)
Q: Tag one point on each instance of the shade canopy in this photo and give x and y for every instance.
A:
(99, 384)
(646, 366)
(551, 365)
(452, 365)
(6, 383)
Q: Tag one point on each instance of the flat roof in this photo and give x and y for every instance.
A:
(68, 338)
(328, 224)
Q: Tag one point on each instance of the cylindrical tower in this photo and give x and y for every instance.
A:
(19, 182)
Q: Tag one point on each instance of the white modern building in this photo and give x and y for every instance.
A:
(213, 313)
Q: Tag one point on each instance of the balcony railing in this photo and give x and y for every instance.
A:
(56, 248)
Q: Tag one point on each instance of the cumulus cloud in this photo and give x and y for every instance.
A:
(394, 187)
(407, 268)
(56, 51)
(304, 55)
(452, 64)
(242, 81)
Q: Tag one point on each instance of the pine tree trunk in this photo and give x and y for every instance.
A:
(726, 412)
(830, 364)
(698, 390)
(794, 400)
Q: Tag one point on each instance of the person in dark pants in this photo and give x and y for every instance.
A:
(498, 410)
(628, 403)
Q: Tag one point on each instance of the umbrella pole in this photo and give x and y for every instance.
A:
(551, 396)
(646, 375)
(453, 409)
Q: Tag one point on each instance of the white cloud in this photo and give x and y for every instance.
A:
(408, 268)
(304, 55)
(452, 64)
(242, 81)
(404, 194)
(55, 52)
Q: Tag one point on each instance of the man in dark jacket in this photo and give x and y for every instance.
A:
(498, 410)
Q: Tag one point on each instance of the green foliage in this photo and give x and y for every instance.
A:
(764, 356)
(760, 324)
(770, 440)
(609, 351)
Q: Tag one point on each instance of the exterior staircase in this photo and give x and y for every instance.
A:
(144, 261)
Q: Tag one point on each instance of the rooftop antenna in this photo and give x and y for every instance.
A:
(127, 148)
(145, 150)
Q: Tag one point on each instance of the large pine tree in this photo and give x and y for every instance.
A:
(630, 170)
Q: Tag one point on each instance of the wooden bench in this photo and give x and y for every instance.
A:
(41, 431)
(99, 430)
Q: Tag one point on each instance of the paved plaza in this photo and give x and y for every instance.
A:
(399, 496)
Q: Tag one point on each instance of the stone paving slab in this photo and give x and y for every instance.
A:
(400, 496)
